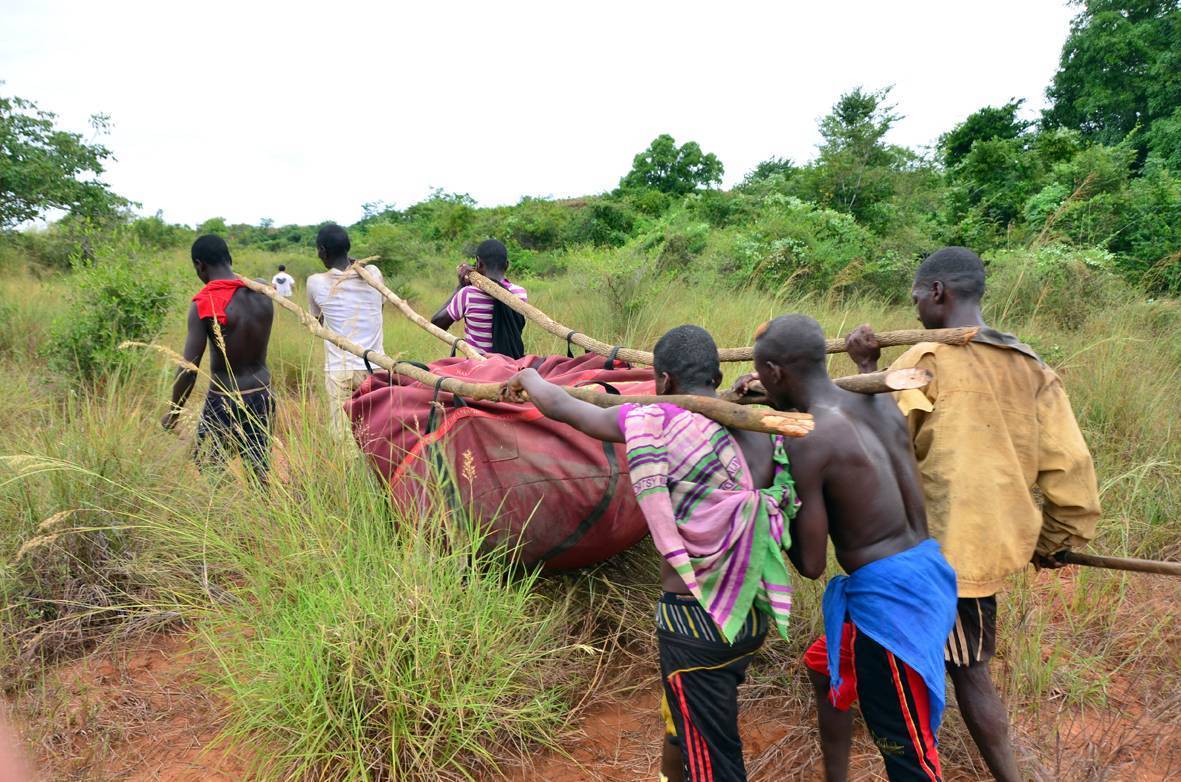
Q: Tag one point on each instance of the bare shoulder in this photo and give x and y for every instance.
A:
(830, 428)
(259, 302)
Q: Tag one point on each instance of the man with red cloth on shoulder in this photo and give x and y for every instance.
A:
(236, 322)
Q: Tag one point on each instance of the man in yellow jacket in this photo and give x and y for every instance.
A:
(1006, 474)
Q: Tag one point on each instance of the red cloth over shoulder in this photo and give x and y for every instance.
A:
(214, 297)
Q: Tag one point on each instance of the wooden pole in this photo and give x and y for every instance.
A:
(404, 307)
(725, 413)
(870, 383)
(959, 336)
(496, 291)
(1122, 563)
(886, 339)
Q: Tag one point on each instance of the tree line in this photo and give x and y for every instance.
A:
(1099, 169)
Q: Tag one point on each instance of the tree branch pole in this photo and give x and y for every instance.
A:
(959, 336)
(725, 413)
(870, 383)
(404, 307)
(1129, 564)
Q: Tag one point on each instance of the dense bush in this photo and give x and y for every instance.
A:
(397, 246)
(116, 298)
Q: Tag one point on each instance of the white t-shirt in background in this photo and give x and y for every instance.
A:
(284, 283)
(351, 308)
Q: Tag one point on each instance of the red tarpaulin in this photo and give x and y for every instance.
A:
(565, 497)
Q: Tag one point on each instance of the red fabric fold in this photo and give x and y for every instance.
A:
(214, 297)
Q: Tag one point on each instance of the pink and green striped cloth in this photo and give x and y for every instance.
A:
(726, 539)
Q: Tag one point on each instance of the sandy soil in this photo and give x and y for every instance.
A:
(139, 713)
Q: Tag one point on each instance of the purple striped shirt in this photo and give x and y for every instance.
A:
(474, 308)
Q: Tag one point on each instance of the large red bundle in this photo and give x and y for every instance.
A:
(564, 498)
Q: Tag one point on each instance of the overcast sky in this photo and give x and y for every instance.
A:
(303, 112)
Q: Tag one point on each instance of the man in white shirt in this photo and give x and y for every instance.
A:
(283, 282)
(346, 304)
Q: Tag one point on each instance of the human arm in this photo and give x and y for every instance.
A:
(452, 310)
(601, 423)
(862, 346)
(809, 527)
(186, 375)
(313, 300)
(1066, 477)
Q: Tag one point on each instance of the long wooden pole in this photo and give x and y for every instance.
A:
(870, 383)
(404, 307)
(886, 339)
(1130, 564)
(725, 413)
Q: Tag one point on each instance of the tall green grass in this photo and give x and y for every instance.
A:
(353, 641)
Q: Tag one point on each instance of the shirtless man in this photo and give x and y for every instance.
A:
(716, 502)
(857, 481)
(236, 322)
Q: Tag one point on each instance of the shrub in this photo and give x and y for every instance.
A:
(625, 279)
(536, 224)
(400, 248)
(116, 298)
(1056, 282)
(443, 216)
(648, 201)
(605, 223)
(797, 242)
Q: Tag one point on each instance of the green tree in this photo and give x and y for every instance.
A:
(671, 169)
(214, 225)
(43, 167)
(1119, 69)
(1164, 142)
(983, 125)
(775, 166)
(856, 169)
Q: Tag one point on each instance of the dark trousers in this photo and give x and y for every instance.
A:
(236, 425)
(701, 674)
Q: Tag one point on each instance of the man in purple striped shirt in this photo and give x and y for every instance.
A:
(488, 325)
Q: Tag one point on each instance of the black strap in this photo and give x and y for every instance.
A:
(570, 344)
(456, 401)
(455, 346)
(365, 358)
(610, 389)
(597, 512)
(614, 354)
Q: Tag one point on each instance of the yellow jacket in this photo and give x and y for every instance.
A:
(1005, 469)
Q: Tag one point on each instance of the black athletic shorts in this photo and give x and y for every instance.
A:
(894, 701)
(701, 674)
(973, 639)
(236, 425)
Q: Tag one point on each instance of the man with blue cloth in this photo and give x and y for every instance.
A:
(857, 481)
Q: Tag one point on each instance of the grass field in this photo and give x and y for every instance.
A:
(354, 644)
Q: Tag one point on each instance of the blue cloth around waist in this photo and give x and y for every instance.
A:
(905, 602)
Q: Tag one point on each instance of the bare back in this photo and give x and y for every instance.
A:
(861, 456)
(246, 333)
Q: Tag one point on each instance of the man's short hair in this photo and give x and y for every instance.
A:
(212, 250)
(282, 267)
(792, 339)
(959, 269)
(334, 240)
(493, 254)
(689, 354)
